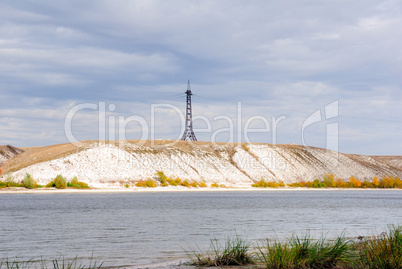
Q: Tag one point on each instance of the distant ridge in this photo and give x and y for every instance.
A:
(108, 164)
(8, 152)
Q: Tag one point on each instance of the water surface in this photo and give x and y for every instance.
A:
(145, 228)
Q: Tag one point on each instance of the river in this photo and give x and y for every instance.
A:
(140, 228)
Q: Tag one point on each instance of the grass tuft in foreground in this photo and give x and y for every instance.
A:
(383, 251)
(306, 252)
(54, 264)
(376, 252)
(234, 252)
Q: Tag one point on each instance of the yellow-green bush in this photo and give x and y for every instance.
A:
(50, 184)
(29, 182)
(10, 182)
(203, 184)
(215, 185)
(74, 183)
(149, 183)
(60, 182)
(174, 182)
(330, 181)
(268, 184)
(162, 178)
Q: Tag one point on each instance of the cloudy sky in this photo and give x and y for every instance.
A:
(322, 73)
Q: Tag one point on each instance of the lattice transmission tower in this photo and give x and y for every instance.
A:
(188, 132)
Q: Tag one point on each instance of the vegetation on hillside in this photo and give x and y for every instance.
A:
(327, 181)
(330, 181)
(61, 183)
(29, 182)
(162, 180)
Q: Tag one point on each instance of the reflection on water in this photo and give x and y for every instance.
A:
(145, 228)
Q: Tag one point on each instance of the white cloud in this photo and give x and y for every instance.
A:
(279, 58)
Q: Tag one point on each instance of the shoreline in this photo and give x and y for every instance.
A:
(21, 190)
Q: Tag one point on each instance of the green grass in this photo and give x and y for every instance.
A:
(234, 252)
(60, 263)
(306, 252)
(377, 252)
(383, 251)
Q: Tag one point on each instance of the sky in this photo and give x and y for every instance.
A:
(316, 73)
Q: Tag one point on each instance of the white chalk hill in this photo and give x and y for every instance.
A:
(113, 164)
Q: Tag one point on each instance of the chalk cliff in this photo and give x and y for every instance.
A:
(108, 164)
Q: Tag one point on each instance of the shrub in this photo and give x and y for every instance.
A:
(185, 183)
(329, 180)
(375, 182)
(10, 181)
(398, 183)
(141, 183)
(29, 182)
(340, 183)
(354, 182)
(367, 184)
(268, 184)
(194, 184)
(50, 184)
(60, 182)
(174, 182)
(203, 184)
(149, 183)
(260, 184)
(390, 182)
(162, 178)
(215, 185)
(74, 183)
